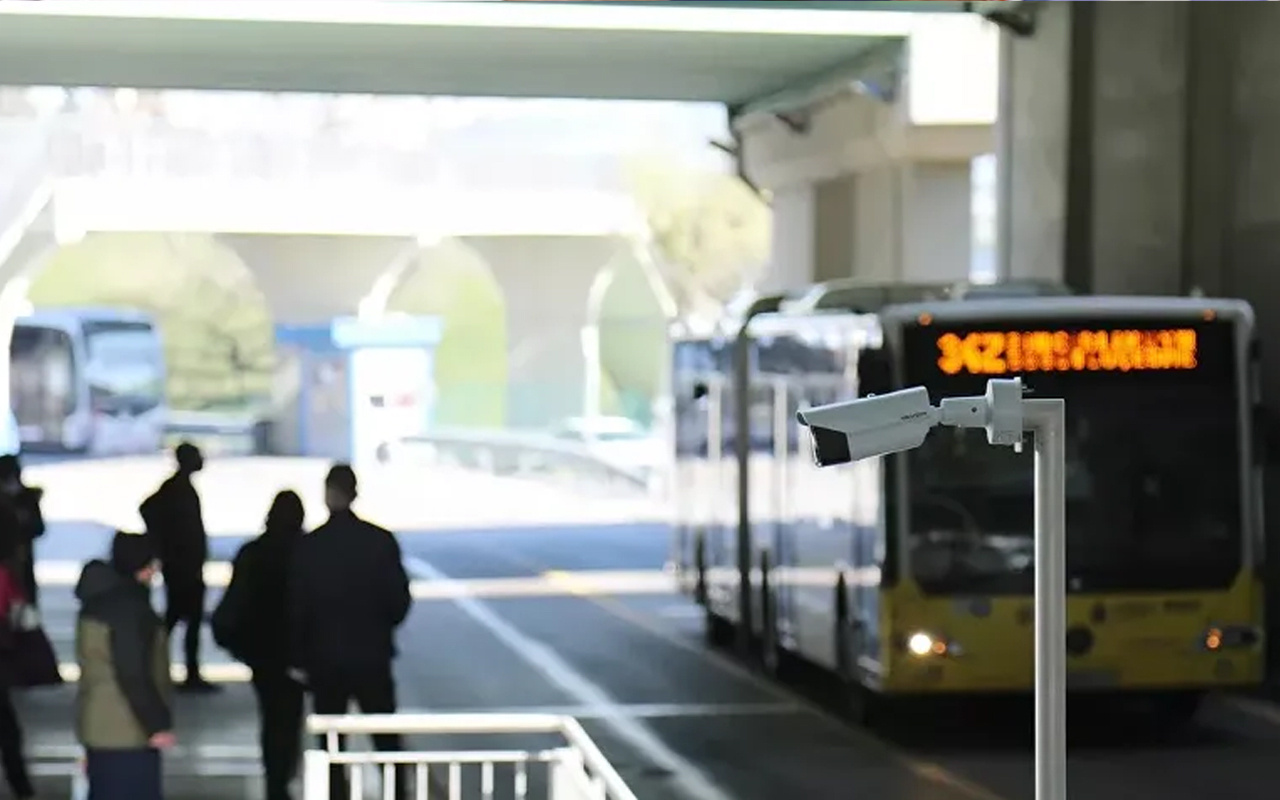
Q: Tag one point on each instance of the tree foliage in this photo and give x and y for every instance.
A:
(215, 324)
(710, 226)
(451, 281)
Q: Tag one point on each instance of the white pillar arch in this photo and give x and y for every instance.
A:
(27, 241)
(314, 278)
(547, 281)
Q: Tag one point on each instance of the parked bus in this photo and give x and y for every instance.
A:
(911, 574)
(88, 381)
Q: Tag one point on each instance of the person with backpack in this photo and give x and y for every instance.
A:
(176, 526)
(252, 624)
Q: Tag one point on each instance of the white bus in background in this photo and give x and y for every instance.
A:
(88, 380)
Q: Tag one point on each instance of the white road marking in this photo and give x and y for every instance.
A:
(1261, 709)
(65, 573)
(691, 779)
(220, 672)
(633, 710)
(204, 752)
(217, 574)
(688, 611)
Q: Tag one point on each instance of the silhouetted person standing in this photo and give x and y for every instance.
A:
(175, 523)
(349, 594)
(252, 624)
(26, 523)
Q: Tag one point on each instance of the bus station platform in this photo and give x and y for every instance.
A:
(216, 756)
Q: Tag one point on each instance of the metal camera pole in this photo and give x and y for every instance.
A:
(1007, 415)
(1046, 420)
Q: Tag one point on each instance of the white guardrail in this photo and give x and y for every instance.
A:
(497, 451)
(510, 452)
(577, 770)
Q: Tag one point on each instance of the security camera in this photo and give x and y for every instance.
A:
(878, 425)
(870, 426)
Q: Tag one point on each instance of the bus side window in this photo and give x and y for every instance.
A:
(874, 375)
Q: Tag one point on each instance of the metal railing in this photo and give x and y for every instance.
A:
(499, 452)
(219, 433)
(515, 452)
(577, 769)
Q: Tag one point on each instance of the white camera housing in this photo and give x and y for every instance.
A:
(870, 426)
(878, 425)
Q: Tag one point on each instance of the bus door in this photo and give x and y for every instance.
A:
(762, 497)
(785, 448)
(717, 497)
(690, 451)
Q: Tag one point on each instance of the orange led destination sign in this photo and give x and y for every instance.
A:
(1001, 352)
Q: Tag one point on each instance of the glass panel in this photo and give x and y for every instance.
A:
(125, 368)
(41, 382)
(1153, 473)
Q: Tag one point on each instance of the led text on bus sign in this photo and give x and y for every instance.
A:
(1002, 352)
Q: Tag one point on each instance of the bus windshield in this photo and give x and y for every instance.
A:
(42, 382)
(1153, 462)
(125, 367)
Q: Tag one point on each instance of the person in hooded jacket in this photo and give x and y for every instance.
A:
(123, 711)
(252, 624)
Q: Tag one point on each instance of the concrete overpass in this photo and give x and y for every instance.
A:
(861, 123)
(322, 243)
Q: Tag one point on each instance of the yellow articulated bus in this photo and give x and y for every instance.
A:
(912, 574)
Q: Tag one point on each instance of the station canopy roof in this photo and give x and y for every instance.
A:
(751, 56)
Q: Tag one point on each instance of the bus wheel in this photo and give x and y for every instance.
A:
(717, 630)
(858, 703)
(1176, 709)
(700, 568)
(771, 655)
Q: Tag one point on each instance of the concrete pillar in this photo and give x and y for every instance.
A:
(1097, 147)
(892, 222)
(314, 278)
(546, 281)
(28, 237)
(792, 246)
(1144, 145)
(311, 279)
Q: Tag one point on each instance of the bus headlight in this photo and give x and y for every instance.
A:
(1229, 637)
(921, 645)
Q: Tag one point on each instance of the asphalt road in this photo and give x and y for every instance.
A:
(580, 620)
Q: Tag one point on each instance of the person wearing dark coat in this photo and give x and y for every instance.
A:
(24, 521)
(174, 522)
(252, 624)
(349, 595)
(124, 716)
